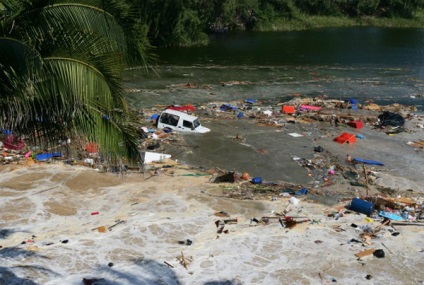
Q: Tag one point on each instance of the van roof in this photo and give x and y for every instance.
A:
(181, 114)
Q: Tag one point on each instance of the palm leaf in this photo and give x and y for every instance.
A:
(39, 20)
(18, 73)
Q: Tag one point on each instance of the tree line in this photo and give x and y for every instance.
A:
(187, 22)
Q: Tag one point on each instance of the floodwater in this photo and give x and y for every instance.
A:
(384, 65)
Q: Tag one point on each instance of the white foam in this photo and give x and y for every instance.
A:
(153, 227)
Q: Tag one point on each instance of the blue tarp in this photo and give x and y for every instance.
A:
(390, 216)
(228, 107)
(47, 156)
(368, 161)
(301, 192)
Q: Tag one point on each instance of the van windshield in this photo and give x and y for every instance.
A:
(196, 123)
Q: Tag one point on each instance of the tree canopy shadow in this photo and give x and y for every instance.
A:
(152, 273)
(7, 273)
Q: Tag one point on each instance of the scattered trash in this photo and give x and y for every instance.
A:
(365, 253)
(101, 229)
(294, 200)
(301, 192)
(184, 260)
(345, 138)
(288, 109)
(222, 214)
(169, 265)
(379, 253)
(228, 107)
(318, 149)
(250, 101)
(391, 119)
(225, 178)
(367, 161)
(309, 108)
(186, 242)
(390, 216)
(295, 135)
(257, 180)
(362, 206)
(356, 124)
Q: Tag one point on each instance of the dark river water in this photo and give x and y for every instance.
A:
(385, 65)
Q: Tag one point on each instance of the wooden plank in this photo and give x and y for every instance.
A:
(365, 253)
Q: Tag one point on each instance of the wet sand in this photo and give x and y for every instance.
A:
(45, 205)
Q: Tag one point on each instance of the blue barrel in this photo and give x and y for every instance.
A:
(257, 180)
(362, 206)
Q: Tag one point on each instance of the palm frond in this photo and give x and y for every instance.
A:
(36, 22)
(19, 65)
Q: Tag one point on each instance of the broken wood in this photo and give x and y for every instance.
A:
(366, 179)
(365, 253)
(183, 260)
(169, 265)
(231, 221)
(379, 227)
(118, 222)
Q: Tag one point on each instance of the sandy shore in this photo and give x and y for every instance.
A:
(53, 216)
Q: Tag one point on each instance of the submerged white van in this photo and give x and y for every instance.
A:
(180, 121)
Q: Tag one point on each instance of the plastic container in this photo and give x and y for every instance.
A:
(257, 180)
(362, 206)
(288, 109)
(294, 201)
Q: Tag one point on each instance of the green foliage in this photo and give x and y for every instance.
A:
(400, 8)
(186, 22)
(173, 23)
(61, 72)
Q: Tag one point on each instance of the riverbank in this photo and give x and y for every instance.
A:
(315, 22)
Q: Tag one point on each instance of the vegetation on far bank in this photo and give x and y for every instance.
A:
(188, 22)
(312, 22)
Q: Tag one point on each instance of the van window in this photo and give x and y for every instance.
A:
(196, 123)
(187, 124)
(169, 119)
(164, 119)
(173, 120)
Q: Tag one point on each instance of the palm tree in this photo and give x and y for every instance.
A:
(61, 69)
